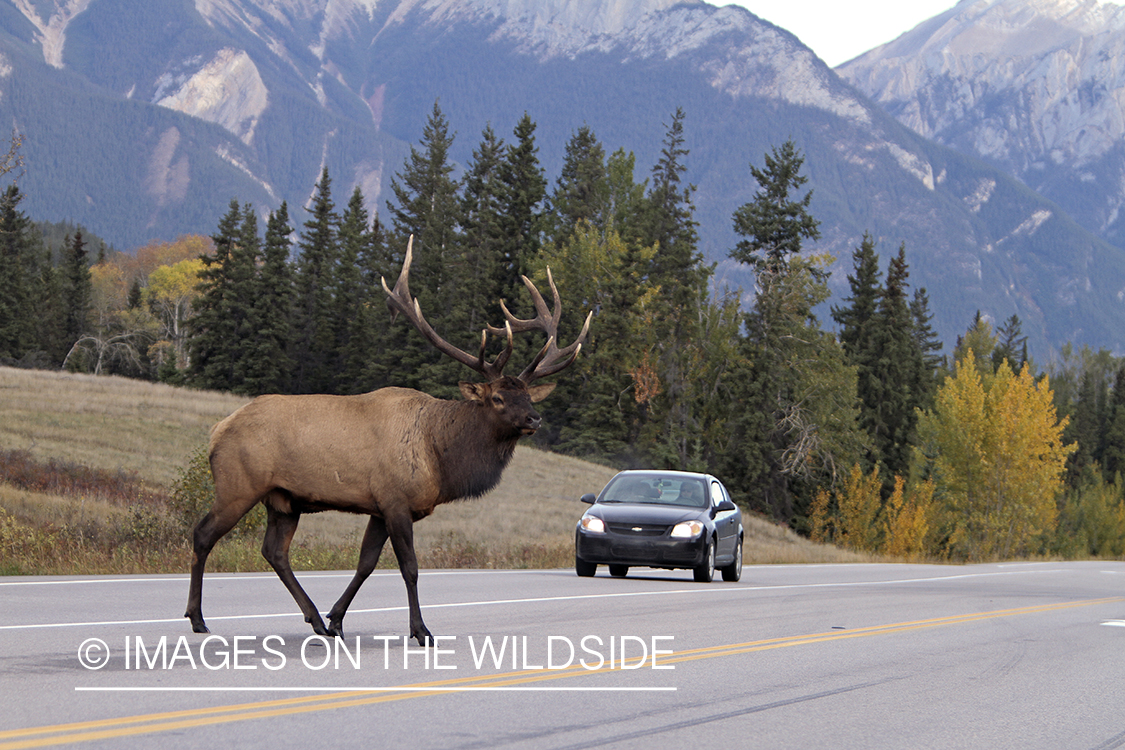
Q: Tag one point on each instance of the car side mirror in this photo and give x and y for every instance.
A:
(726, 505)
(589, 498)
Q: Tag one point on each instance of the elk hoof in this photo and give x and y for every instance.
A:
(197, 625)
(336, 627)
(423, 636)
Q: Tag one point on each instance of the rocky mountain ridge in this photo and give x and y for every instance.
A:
(1036, 87)
(145, 117)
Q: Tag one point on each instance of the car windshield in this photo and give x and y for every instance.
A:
(656, 490)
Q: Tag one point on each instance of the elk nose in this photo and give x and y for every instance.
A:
(533, 421)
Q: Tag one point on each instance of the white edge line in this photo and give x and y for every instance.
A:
(538, 599)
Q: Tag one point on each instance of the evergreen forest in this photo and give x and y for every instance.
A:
(859, 430)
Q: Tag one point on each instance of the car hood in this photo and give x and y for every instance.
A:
(645, 513)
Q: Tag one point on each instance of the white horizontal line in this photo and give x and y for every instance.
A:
(264, 576)
(719, 589)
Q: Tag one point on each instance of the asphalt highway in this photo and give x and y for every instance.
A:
(810, 656)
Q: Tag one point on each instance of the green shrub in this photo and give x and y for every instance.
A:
(193, 494)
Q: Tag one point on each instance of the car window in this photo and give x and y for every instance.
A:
(716, 494)
(656, 490)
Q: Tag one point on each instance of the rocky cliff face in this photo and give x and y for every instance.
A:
(1034, 86)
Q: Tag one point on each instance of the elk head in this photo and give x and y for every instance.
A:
(509, 398)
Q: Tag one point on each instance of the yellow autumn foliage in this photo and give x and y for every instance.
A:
(998, 460)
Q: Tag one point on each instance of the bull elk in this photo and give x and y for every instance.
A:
(393, 454)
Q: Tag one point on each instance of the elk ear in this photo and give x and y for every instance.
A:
(540, 392)
(474, 391)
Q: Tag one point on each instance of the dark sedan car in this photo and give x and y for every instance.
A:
(661, 519)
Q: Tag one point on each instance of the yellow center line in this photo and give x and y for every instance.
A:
(61, 734)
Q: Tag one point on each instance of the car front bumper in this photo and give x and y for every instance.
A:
(622, 549)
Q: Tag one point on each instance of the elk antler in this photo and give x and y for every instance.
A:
(400, 301)
(550, 358)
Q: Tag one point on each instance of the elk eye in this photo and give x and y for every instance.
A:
(498, 400)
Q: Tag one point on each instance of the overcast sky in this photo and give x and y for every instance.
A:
(838, 31)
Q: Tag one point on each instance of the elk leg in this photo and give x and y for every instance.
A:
(373, 540)
(402, 540)
(280, 528)
(207, 532)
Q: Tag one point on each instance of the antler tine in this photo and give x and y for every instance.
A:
(400, 301)
(550, 358)
(556, 359)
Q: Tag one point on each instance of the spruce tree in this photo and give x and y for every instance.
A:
(360, 300)
(1113, 453)
(795, 417)
(1012, 345)
(428, 207)
(671, 225)
(17, 277)
(269, 367)
(316, 278)
(774, 224)
(480, 264)
(212, 351)
(889, 379)
(855, 319)
(582, 190)
(928, 343)
(521, 214)
(241, 309)
(78, 287)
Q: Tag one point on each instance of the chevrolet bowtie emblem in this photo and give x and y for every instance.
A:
(637, 528)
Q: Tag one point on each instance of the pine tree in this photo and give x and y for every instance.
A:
(1012, 345)
(855, 320)
(314, 352)
(18, 266)
(928, 343)
(428, 208)
(795, 394)
(480, 264)
(242, 284)
(582, 190)
(773, 224)
(269, 366)
(890, 376)
(212, 348)
(671, 225)
(78, 288)
(521, 215)
(1113, 454)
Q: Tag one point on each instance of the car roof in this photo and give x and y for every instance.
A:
(663, 473)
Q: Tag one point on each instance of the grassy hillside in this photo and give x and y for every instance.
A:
(145, 433)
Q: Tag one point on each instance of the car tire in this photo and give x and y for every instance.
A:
(583, 568)
(733, 571)
(705, 573)
(619, 571)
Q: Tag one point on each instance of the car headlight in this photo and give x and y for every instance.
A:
(687, 529)
(593, 524)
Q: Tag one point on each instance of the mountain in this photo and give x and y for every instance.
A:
(144, 118)
(1035, 87)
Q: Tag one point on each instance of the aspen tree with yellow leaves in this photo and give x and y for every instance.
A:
(995, 450)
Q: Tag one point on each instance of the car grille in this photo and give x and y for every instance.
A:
(638, 529)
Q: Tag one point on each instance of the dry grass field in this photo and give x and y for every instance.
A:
(149, 431)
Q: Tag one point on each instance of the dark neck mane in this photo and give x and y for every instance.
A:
(471, 455)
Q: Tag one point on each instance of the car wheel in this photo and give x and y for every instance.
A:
(705, 573)
(583, 568)
(733, 571)
(619, 571)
